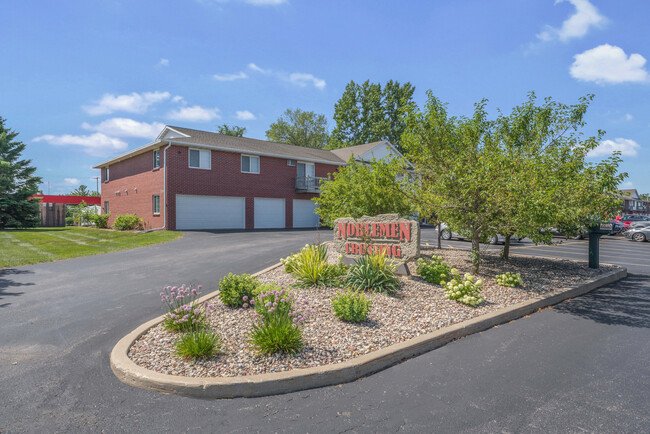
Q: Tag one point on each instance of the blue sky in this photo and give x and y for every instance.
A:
(84, 80)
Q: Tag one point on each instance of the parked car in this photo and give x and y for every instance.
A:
(642, 224)
(628, 220)
(638, 234)
(448, 234)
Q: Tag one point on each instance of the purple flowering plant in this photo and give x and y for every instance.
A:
(184, 312)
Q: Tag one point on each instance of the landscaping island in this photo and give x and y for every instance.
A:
(416, 308)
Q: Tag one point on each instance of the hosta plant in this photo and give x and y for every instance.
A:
(373, 273)
(465, 290)
(434, 270)
(198, 344)
(233, 289)
(510, 279)
(184, 312)
(351, 306)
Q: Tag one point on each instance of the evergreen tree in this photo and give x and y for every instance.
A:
(17, 183)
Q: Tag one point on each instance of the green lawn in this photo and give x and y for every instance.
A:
(31, 246)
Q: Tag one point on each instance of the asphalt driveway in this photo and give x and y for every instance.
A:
(582, 366)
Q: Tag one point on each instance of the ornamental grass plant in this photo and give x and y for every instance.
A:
(373, 273)
(310, 267)
(197, 344)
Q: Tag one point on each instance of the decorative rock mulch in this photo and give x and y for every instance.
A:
(418, 308)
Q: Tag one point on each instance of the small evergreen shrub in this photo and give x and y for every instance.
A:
(128, 222)
(510, 279)
(351, 306)
(198, 344)
(233, 288)
(101, 220)
(465, 290)
(434, 270)
(373, 273)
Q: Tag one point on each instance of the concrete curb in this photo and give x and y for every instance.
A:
(307, 378)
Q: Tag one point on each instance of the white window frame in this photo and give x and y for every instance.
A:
(153, 204)
(241, 163)
(306, 163)
(201, 152)
(156, 158)
(106, 177)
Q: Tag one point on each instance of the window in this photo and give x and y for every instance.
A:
(106, 174)
(199, 159)
(306, 170)
(156, 159)
(105, 207)
(156, 204)
(250, 164)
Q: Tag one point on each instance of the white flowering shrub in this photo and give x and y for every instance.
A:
(510, 279)
(465, 290)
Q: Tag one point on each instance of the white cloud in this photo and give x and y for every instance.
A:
(265, 2)
(245, 115)
(609, 64)
(254, 67)
(628, 184)
(230, 77)
(133, 103)
(628, 117)
(627, 147)
(163, 62)
(577, 25)
(71, 181)
(97, 144)
(302, 80)
(123, 127)
(194, 114)
(177, 98)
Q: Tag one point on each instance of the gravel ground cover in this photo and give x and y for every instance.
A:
(418, 308)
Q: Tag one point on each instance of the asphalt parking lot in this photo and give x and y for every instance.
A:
(616, 250)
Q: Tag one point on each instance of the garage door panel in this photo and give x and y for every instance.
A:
(304, 215)
(269, 213)
(210, 212)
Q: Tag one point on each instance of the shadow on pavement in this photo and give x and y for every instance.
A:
(626, 302)
(6, 282)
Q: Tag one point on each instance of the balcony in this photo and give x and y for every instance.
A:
(308, 184)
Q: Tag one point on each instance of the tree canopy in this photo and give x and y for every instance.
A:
(17, 183)
(300, 128)
(369, 112)
(233, 130)
(83, 190)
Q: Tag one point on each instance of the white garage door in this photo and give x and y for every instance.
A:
(210, 212)
(304, 215)
(269, 213)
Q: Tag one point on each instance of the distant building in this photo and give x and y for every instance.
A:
(53, 207)
(633, 204)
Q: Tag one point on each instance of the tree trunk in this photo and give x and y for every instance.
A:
(506, 248)
(439, 236)
(476, 253)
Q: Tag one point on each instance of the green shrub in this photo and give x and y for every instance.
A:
(510, 279)
(127, 222)
(100, 220)
(374, 273)
(465, 290)
(277, 335)
(351, 306)
(434, 270)
(69, 221)
(198, 344)
(236, 290)
(310, 267)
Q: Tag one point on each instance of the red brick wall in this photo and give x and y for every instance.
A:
(136, 181)
(275, 180)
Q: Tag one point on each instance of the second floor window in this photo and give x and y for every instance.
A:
(106, 174)
(250, 164)
(156, 159)
(199, 159)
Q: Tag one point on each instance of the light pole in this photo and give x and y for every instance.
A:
(96, 178)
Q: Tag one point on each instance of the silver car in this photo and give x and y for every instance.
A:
(448, 234)
(638, 233)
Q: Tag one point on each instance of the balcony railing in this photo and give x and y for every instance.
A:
(308, 184)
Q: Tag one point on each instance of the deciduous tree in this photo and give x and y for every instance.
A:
(233, 130)
(300, 128)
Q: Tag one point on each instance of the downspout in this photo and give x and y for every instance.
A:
(164, 192)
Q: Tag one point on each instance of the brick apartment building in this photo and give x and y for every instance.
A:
(191, 179)
(633, 204)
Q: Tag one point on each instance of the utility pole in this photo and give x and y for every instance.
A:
(96, 178)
